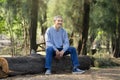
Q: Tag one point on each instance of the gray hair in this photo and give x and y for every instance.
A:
(58, 16)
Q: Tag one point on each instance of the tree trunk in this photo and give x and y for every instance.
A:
(42, 21)
(25, 44)
(33, 27)
(34, 64)
(82, 43)
(117, 42)
(26, 39)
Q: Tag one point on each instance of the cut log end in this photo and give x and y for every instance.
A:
(4, 65)
(3, 68)
(2, 74)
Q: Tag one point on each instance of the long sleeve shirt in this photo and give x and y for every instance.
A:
(56, 38)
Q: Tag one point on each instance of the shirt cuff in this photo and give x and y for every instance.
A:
(54, 48)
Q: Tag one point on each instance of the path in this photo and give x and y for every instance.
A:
(92, 74)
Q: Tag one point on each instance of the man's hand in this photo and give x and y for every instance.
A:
(57, 54)
(61, 53)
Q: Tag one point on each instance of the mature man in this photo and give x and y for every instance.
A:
(57, 45)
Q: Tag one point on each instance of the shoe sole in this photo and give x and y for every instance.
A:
(47, 73)
(78, 72)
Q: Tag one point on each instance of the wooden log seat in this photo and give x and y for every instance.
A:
(34, 64)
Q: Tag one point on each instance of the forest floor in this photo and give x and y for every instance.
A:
(112, 73)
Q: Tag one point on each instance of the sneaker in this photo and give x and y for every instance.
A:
(48, 72)
(77, 71)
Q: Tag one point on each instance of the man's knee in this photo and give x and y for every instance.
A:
(73, 48)
(49, 49)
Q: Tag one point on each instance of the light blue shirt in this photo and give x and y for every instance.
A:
(56, 38)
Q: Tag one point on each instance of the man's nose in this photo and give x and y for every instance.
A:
(60, 22)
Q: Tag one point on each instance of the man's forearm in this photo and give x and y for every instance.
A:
(48, 44)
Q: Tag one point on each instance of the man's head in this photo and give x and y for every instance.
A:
(58, 21)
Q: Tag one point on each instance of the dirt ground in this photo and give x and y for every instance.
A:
(92, 74)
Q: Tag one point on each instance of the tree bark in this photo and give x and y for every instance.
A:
(117, 42)
(82, 43)
(33, 27)
(34, 64)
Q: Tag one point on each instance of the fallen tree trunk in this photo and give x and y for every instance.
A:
(34, 64)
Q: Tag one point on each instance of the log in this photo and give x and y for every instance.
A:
(34, 64)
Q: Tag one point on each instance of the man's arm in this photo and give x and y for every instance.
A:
(65, 44)
(48, 40)
(66, 41)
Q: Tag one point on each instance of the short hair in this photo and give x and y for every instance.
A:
(58, 16)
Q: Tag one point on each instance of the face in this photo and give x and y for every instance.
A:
(58, 22)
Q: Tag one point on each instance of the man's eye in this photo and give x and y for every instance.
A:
(60, 20)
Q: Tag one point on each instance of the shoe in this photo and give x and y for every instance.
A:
(48, 72)
(78, 71)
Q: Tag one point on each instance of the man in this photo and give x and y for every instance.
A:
(57, 44)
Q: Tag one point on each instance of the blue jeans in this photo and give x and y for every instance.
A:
(50, 53)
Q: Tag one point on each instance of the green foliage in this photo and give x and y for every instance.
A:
(71, 10)
(17, 14)
(54, 9)
(42, 16)
(2, 1)
(103, 15)
(103, 19)
(2, 29)
(2, 19)
(14, 18)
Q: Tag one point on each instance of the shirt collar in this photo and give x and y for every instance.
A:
(55, 28)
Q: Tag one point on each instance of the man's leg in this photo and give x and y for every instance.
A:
(74, 56)
(75, 61)
(48, 59)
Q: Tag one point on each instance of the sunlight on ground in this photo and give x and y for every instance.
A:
(5, 56)
(42, 53)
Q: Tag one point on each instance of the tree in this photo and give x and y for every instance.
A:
(85, 27)
(33, 26)
(42, 17)
(116, 38)
(104, 16)
(10, 9)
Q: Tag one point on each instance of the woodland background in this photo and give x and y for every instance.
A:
(89, 23)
